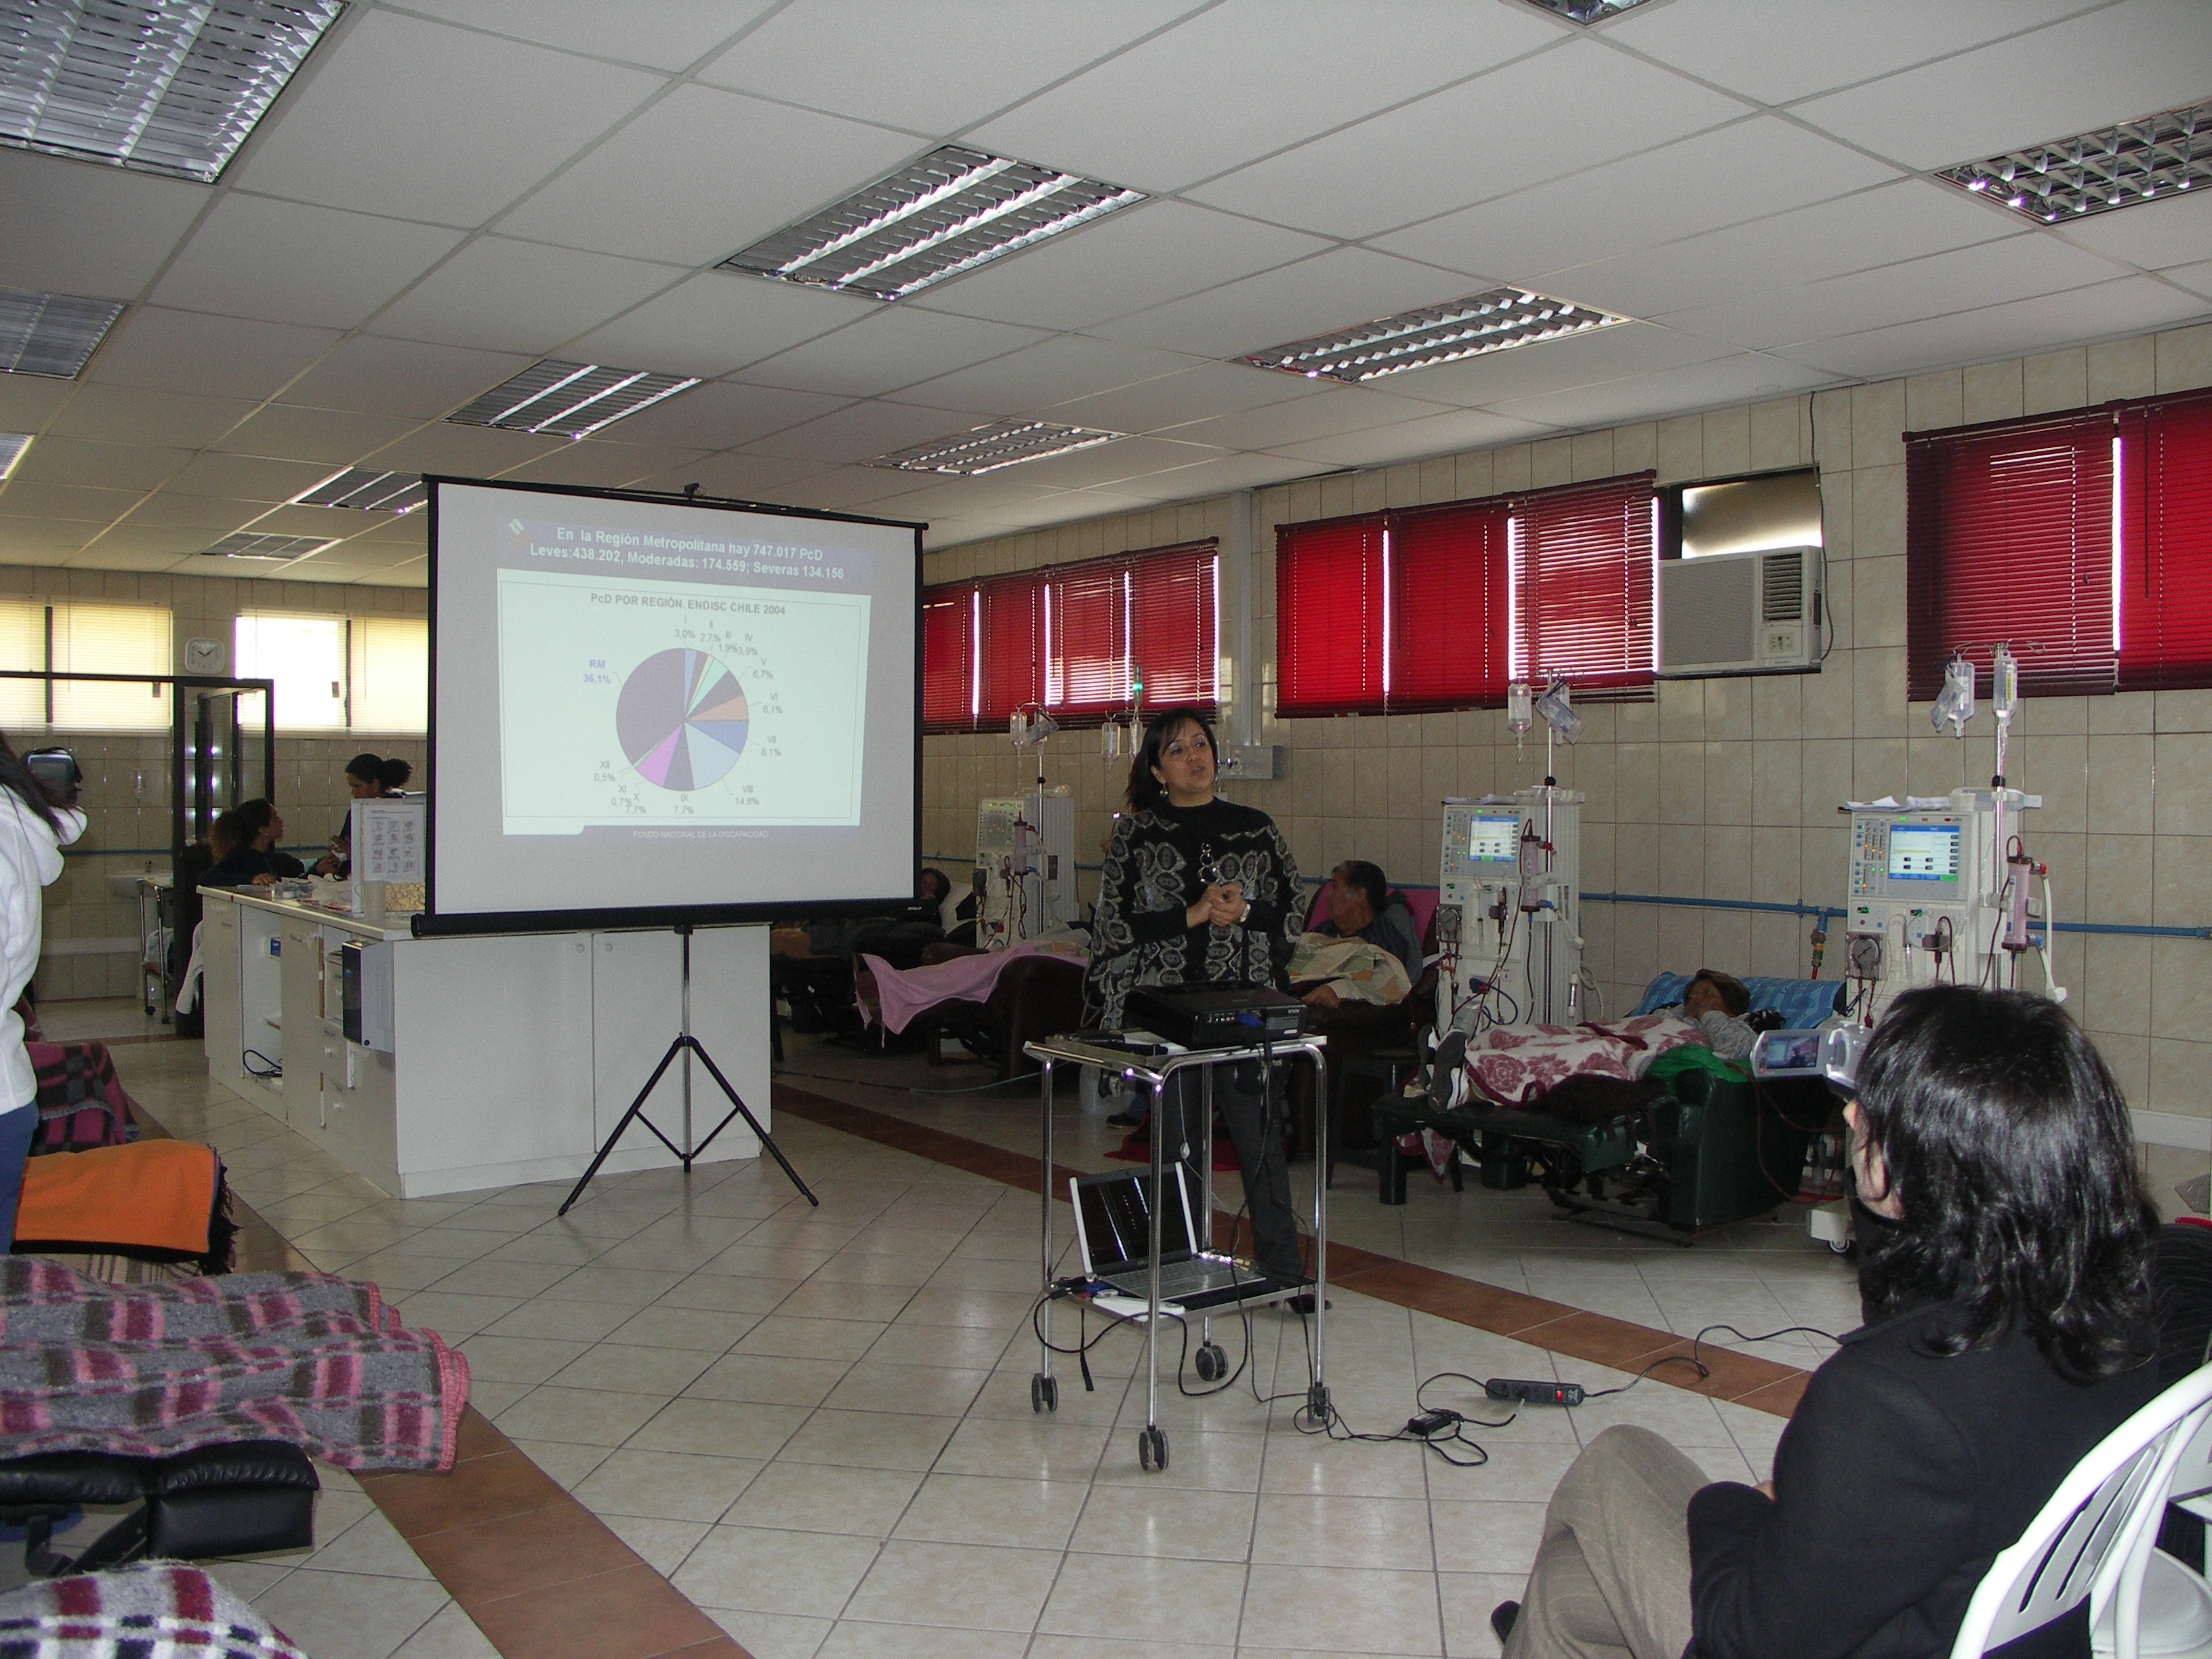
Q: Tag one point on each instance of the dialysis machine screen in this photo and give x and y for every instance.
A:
(1494, 840)
(1923, 852)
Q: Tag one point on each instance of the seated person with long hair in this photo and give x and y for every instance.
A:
(245, 841)
(2005, 1276)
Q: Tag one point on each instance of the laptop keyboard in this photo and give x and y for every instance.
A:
(1180, 1279)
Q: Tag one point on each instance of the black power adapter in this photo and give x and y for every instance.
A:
(1429, 1424)
(1534, 1394)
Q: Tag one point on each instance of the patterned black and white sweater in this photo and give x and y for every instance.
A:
(1159, 862)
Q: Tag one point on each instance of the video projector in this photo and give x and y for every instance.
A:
(1214, 1016)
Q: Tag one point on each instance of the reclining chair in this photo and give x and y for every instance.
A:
(238, 1499)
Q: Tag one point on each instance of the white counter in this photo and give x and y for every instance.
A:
(514, 1055)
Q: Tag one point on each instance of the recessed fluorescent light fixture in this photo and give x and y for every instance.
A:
(1588, 11)
(2117, 167)
(51, 334)
(268, 550)
(12, 446)
(948, 213)
(568, 400)
(987, 448)
(366, 487)
(158, 85)
(1496, 321)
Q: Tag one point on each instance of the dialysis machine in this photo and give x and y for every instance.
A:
(1508, 910)
(1025, 867)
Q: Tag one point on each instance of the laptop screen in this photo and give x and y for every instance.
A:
(1116, 1214)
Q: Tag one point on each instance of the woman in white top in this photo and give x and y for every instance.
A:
(34, 830)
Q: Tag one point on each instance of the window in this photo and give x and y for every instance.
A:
(390, 659)
(2008, 541)
(306, 658)
(1437, 608)
(2164, 507)
(1071, 638)
(69, 637)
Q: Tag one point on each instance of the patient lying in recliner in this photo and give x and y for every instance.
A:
(1716, 1003)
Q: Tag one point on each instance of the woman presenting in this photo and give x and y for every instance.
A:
(1199, 890)
(34, 830)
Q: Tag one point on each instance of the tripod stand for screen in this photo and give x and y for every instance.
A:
(686, 1045)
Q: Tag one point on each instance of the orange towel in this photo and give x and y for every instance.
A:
(154, 1194)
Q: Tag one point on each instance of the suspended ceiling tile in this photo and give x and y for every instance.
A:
(895, 348)
(521, 296)
(1106, 463)
(1190, 394)
(724, 414)
(1741, 378)
(415, 573)
(1747, 170)
(34, 541)
(663, 34)
(189, 351)
(1884, 226)
(1330, 291)
(460, 451)
(332, 438)
(248, 478)
(1222, 473)
(112, 466)
(2152, 234)
(1332, 413)
(2108, 310)
(1407, 441)
(715, 322)
(277, 519)
(170, 509)
(1777, 50)
(1572, 107)
(856, 489)
(1609, 354)
(1964, 279)
(2110, 64)
(2196, 278)
(411, 379)
(596, 465)
(27, 402)
(660, 187)
(734, 477)
(930, 66)
(1141, 256)
(861, 432)
(288, 262)
(133, 414)
(171, 543)
(1067, 365)
(105, 556)
(422, 121)
(84, 227)
(1250, 76)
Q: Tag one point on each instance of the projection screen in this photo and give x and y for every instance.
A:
(645, 710)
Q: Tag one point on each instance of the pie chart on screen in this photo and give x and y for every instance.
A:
(681, 719)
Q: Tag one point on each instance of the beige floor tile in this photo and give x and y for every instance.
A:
(1342, 1532)
(864, 1502)
(1341, 1610)
(1485, 1535)
(855, 1638)
(561, 1322)
(666, 1485)
(767, 1378)
(772, 1634)
(822, 1298)
(597, 1417)
(732, 1294)
(450, 1634)
(762, 1570)
(1040, 1448)
(345, 1615)
(869, 1440)
(369, 1546)
(1143, 1598)
(962, 1586)
(930, 1390)
(1318, 1467)
(967, 1509)
(942, 1344)
(1150, 1520)
(518, 1359)
(701, 1330)
(665, 1372)
(1468, 1600)
(720, 1428)
(1106, 1647)
(1206, 1462)
(792, 1337)
(567, 1462)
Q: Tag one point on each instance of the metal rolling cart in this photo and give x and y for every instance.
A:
(1153, 1071)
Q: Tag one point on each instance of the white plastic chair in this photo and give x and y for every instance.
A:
(2093, 1540)
(2176, 1618)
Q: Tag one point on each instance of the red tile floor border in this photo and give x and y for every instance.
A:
(1744, 1379)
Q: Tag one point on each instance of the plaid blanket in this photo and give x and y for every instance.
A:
(324, 1378)
(45, 1301)
(155, 1610)
(81, 1100)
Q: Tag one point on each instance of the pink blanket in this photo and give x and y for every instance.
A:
(1514, 1064)
(905, 992)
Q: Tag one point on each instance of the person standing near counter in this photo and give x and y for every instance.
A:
(1198, 889)
(368, 777)
(34, 830)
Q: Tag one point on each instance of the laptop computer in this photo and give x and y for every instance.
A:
(1113, 1231)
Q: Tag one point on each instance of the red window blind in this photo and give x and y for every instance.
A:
(2008, 541)
(948, 657)
(1583, 608)
(2166, 517)
(1086, 670)
(1330, 613)
(1009, 645)
(1174, 604)
(1448, 597)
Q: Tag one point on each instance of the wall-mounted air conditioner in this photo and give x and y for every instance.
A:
(1740, 613)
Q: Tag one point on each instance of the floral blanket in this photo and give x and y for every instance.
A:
(1355, 969)
(1514, 1064)
(149, 1371)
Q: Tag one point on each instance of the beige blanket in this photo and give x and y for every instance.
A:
(1355, 969)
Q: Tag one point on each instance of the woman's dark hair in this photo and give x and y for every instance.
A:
(1736, 1000)
(16, 776)
(226, 834)
(251, 817)
(2008, 1141)
(393, 772)
(1144, 790)
(366, 767)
